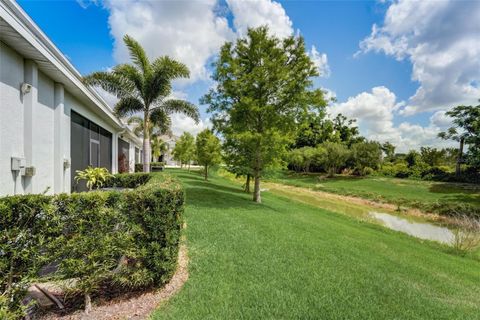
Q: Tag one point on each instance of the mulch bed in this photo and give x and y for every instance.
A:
(132, 306)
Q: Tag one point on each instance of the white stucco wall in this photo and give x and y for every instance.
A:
(43, 136)
(36, 126)
(11, 117)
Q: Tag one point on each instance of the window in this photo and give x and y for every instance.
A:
(90, 145)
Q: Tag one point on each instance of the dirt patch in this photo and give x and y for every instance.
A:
(137, 307)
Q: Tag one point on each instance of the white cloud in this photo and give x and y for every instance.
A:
(181, 124)
(375, 112)
(189, 31)
(441, 39)
(255, 13)
(321, 62)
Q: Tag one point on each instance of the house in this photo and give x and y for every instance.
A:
(50, 123)
(167, 156)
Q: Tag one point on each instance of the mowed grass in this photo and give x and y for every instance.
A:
(387, 189)
(287, 260)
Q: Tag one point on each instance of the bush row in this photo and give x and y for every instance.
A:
(125, 240)
(154, 166)
(127, 180)
(431, 173)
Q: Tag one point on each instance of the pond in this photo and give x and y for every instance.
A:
(420, 230)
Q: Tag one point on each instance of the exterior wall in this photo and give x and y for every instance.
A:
(71, 103)
(36, 126)
(43, 136)
(11, 118)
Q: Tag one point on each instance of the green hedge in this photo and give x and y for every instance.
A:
(153, 166)
(125, 239)
(127, 180)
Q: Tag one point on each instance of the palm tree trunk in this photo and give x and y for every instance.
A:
(147, 150)
(459, 158)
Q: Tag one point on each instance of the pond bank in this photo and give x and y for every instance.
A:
(411, 221)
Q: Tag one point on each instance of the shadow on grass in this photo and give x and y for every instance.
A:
(456, 193)
(210, 194)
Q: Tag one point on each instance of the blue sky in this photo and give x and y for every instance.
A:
(377, 86)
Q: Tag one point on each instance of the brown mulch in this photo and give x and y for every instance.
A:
(134, 307)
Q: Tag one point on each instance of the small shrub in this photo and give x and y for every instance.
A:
(367, 171)
(139, 166)
(95, 177)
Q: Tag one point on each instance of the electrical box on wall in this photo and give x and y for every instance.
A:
(30, 171)
(18, 164)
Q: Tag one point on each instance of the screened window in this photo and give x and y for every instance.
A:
(91, 145)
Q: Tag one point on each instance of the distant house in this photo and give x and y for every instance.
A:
(50, 123)
(167, 156)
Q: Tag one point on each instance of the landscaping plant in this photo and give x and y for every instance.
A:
(120, 240)
(208, 149)
(264, 85)
(94, 177)
(144, 87)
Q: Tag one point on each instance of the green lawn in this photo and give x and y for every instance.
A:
(287, 260)
(386, 189)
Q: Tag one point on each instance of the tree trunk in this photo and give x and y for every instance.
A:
(147, 150)
(256, 190)
(247, 184)
(206, 173)
(88, 303)
(459, 158)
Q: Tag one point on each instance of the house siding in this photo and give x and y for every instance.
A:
(11, 117)
(36, 126)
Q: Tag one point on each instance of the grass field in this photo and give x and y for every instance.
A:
(386, 189)
(287, 260)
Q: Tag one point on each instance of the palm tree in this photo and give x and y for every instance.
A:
(159, 128)
(156, 130)
(144, 87)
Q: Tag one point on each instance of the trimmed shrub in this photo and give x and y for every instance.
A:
(153, 166)
(127, 180)
(126, 239)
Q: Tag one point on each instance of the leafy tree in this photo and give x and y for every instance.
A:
(334, 157)
(184, 150)
(465, 130)
(263, 88)
(315, 129)
(366, 155)
(303, 159)
(207, 150)
(389, 151)
(346, 131)
(144, 87)
(432, 156)
(412, 158)
(238, 157)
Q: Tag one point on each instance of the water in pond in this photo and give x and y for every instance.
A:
(417, 229)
